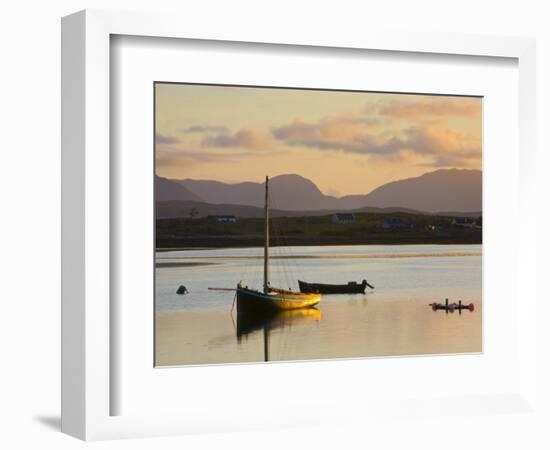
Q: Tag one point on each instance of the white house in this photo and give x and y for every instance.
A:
(224, 219)
(343, 218)
(464, 222)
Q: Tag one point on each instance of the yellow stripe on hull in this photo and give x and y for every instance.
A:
(291, 295)
(279, 300)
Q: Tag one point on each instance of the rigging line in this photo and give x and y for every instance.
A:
(276, 253)
(283, 257)
(257, 265)
(256, 260)
(283, 260)
(294, 258)
(231, 313)
(233, 305)
(284, 275)
(280, 267)
(241, 267)
(250, 266)
(285, 242)
(290, 272)
(243, 270)
(290, 264)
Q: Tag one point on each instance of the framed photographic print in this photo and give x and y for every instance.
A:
(269, 200)
(261, 229)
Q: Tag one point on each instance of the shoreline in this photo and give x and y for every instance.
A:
(182, 264)
(218, 247)
(373, 256)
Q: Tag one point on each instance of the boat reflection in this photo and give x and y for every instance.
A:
(249, 323)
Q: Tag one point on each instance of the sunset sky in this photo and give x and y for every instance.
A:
(345, 142)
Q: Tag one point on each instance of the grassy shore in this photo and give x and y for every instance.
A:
(367, 228)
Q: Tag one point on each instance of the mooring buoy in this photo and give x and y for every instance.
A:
(182, 290)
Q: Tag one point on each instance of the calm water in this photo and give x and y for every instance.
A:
(393, 319)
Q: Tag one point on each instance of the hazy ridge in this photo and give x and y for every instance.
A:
(445, 192)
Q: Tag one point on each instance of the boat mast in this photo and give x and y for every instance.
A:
(266, 237)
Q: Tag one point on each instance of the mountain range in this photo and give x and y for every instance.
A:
(459, 191)
(168, 190)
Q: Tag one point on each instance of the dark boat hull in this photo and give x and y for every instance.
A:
(349, 288)
(254, 301)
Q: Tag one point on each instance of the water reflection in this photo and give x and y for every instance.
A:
(393, 320)
(249, 323)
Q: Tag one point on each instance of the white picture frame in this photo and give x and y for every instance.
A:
(87, 354)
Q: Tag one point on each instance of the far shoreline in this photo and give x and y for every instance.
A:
(235, 247)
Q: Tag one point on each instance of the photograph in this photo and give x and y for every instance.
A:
(298, 224)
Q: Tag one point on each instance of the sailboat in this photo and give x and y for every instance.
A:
(271, 298)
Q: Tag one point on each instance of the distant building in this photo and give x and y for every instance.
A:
(343, 218)
(394, 223)
(223, 219)
(464, 222)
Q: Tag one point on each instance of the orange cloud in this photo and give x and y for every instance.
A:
(244, 138)
(328, 130)
(437, 140)
(441, 145)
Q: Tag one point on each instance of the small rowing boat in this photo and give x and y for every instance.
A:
(351, 287)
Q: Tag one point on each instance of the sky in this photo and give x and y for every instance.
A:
(345, 142)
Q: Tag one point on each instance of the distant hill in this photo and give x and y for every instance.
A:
(290, 192)
(170, 190)
(216, 192)
(443, 190)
